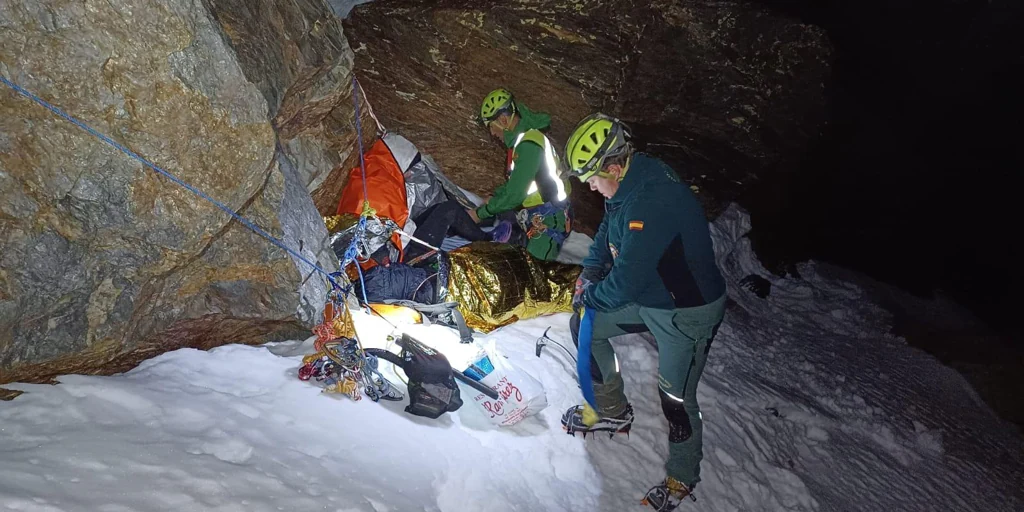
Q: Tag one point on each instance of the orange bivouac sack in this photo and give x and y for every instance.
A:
(385, 185)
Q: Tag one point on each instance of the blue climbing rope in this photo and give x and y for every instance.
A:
(367, 211)
(362, 284)
(351, 253)
(352, 256)
(359, 140)
(246, 222)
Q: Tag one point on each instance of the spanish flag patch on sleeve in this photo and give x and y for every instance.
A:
(636, 225)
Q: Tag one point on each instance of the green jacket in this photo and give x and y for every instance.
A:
(654, 244)
(533, 177)
(528, 159)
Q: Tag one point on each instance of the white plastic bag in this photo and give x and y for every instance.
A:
(520, 395)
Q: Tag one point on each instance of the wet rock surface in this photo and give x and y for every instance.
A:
(726, 92)
(103, 262)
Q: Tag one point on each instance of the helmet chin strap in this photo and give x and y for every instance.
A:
(624, 167)
(512, 122)
(508, 125)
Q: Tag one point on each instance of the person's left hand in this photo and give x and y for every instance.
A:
(473, 215)
(587, 278)
(582, 283)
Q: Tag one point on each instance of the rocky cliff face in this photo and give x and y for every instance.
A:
(725, 91)
(103, 262)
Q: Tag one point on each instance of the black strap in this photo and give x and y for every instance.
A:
(465, 333)
(445, 312)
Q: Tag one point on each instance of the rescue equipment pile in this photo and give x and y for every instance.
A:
(481, 286)
(342, 365)
(492, 284)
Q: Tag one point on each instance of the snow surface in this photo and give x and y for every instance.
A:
(808, 404)
(342, 8)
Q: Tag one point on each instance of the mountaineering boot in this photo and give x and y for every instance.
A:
(502, 232)
(667, 495)
(583, 419)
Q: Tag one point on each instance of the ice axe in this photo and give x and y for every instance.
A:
(544, 340)
(583, 351)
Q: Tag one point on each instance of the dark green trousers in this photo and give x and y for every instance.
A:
(684, 339)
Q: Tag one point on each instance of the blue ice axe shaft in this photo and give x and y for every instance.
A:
(586, 335)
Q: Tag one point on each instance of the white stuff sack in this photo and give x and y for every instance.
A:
(519, 394)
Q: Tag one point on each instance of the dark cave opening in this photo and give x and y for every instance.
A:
(914, 177)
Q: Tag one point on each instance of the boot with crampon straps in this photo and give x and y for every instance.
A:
(582, 419)
(667, 495)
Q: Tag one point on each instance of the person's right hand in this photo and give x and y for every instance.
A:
(473, 215)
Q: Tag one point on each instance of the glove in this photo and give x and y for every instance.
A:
(582, 284)
(589, 277)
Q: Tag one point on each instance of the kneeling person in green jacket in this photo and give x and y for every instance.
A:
(651, 268)
(534, 192)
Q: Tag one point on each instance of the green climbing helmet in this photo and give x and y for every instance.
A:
(596, 138)
(497, 102)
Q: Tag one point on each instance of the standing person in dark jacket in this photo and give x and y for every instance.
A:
(651, 268)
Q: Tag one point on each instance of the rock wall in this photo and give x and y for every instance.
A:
(299, 58)
(104, 263)
(725, 91)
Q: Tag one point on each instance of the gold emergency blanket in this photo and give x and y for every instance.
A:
(497, 284)
(336, 223)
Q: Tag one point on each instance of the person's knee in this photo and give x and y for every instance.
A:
(449, 205)
(678, 416)
(448, 210)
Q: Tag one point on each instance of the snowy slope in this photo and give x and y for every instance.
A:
(808, 405)
(342, 8)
